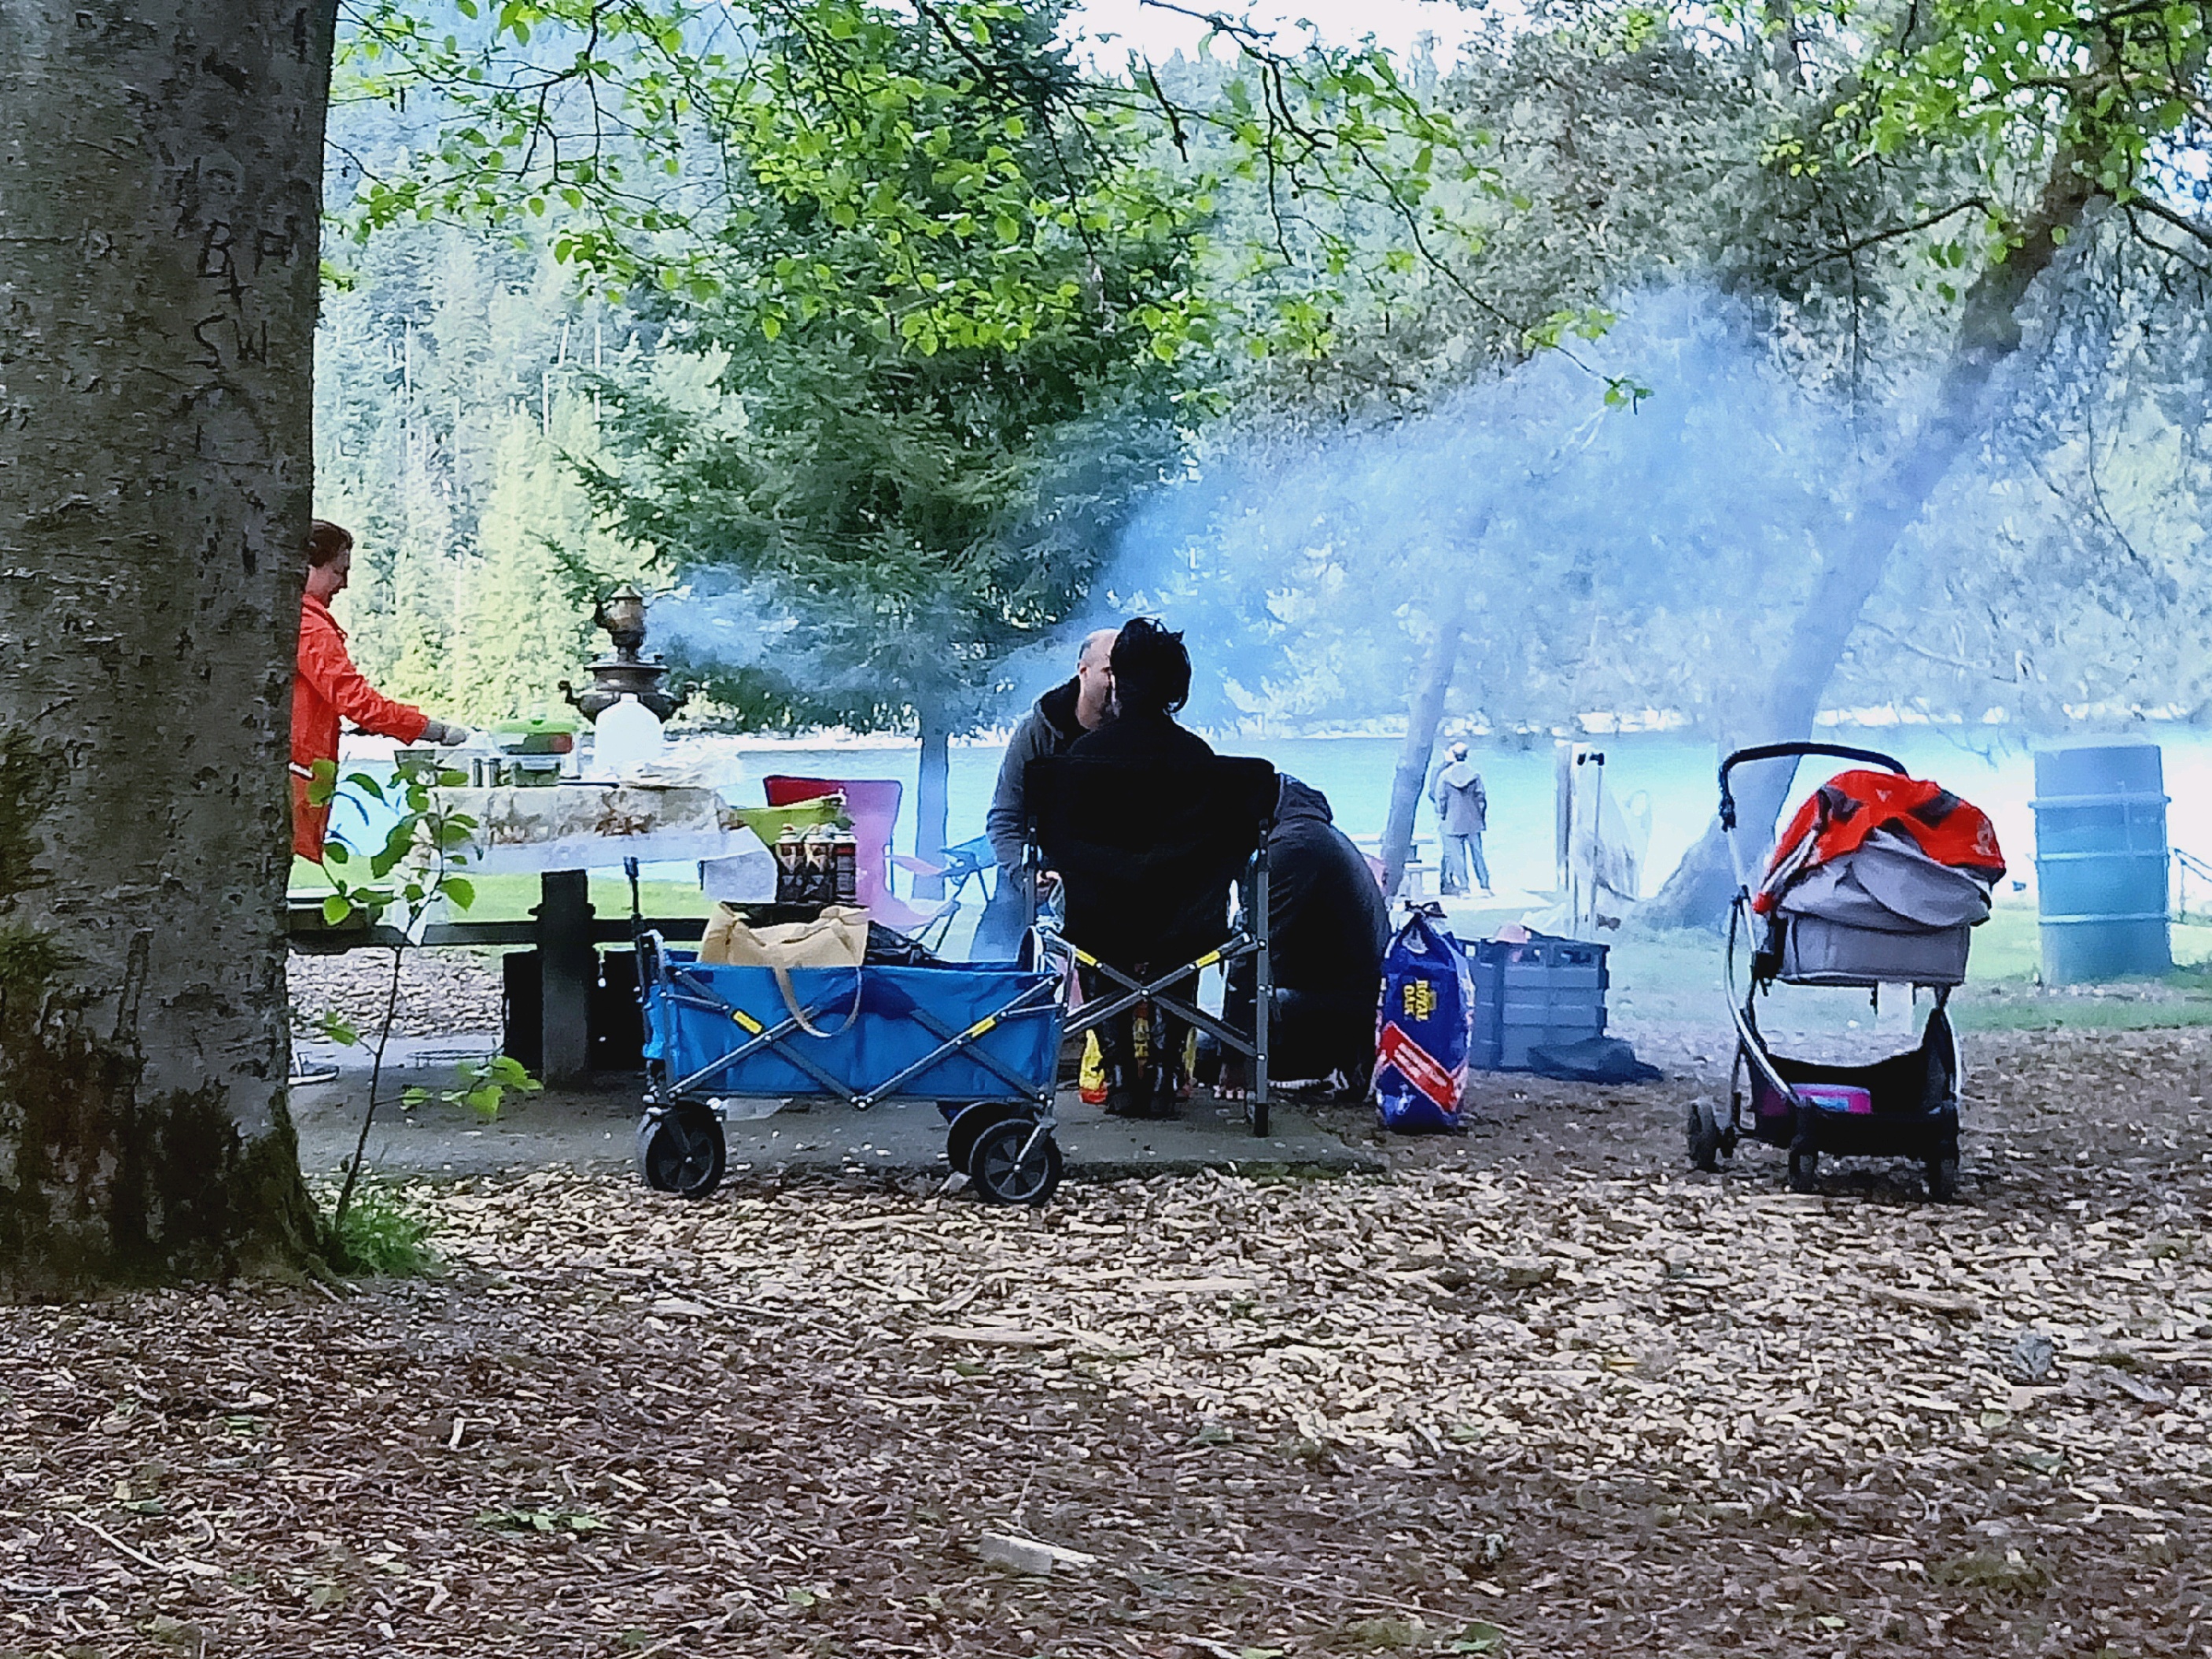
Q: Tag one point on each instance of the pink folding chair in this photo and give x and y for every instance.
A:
(872, 804)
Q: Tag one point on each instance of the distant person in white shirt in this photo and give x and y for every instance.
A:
(1462, 814)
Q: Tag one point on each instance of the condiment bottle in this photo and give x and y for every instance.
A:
(845, 858)
(789, 862)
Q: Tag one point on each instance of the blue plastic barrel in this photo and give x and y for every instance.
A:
(2100, 860)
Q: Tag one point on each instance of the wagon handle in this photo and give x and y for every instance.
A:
(1791, 751)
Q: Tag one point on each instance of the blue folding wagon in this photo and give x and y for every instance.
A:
(980, 1041)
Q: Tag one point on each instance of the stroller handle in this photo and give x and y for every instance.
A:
(1792, 751)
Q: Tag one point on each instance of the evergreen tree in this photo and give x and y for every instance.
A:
(892, 507)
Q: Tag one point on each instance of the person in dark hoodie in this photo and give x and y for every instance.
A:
(1329, 924)
(1060, 716)
(1151, 682)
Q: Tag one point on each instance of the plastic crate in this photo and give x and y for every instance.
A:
(1532, 995)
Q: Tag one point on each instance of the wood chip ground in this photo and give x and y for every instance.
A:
(1538, 1391)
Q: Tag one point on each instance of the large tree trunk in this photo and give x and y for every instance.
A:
(1425, 712)
(931, 790)
(160, 206)
(1857, 553)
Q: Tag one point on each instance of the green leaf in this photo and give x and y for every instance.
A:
(336, 909)
(460, 890)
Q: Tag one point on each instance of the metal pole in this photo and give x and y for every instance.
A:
(1263, 979)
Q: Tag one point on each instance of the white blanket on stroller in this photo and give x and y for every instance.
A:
(1889, 886)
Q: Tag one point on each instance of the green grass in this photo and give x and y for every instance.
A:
(1674, 978)
(512, 898)
(2044, 1011)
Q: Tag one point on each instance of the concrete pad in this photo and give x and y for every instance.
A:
(593, 1130)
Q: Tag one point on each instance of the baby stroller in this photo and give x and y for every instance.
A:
(1880, 879)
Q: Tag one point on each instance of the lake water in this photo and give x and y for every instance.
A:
(1993, 769)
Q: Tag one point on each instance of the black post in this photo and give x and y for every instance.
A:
(567, 967)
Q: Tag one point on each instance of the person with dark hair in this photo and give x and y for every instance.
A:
(328, 687)
(1151, 682)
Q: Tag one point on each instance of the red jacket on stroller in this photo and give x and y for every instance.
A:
(1837, 818)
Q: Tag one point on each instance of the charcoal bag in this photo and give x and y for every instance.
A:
(1423, 1030)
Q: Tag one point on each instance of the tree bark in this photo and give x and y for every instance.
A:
(1425, 712)
(160, 206)
(932, 790)
(1858, 552)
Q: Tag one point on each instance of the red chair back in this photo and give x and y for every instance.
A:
(872, 804)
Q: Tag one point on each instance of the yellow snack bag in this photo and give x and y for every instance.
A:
(1092, 1076)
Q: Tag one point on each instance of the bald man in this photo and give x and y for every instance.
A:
(1059, 717)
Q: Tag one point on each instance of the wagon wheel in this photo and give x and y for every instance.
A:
(682, 1151)
(1706, 1137)
(1016, 1162)
(963, 1132)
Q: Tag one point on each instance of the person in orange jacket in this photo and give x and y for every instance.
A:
(328, 687)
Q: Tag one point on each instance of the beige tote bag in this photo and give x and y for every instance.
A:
(838, 938)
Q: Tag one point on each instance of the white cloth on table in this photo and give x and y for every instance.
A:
(575, 826)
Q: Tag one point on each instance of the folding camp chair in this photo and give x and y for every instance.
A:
(956, 867)
(1146, 856)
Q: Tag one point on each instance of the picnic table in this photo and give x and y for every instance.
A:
(560, 833)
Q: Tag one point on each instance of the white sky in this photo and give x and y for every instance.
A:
(1394, 23)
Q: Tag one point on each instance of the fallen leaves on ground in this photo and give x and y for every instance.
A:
(1485, 1403)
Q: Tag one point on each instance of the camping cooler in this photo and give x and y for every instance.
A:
(1539, 993)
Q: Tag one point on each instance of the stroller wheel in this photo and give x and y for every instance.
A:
(1705, 1136)
(682, 1151)
(967, 1128)
(1804, 1170)
(1943, 1178)
(1016, 1162)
